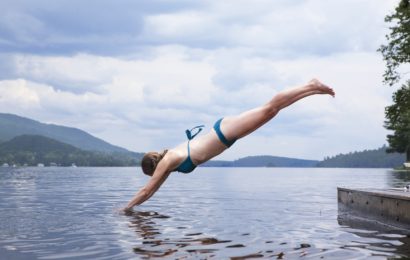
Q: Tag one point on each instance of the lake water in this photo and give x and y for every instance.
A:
(212, 213)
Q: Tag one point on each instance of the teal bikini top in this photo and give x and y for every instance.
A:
(187, 165)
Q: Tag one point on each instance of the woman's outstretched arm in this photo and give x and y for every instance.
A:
(160, 175)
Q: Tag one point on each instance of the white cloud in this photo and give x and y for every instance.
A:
(29, 97)
(134, 94)
(351, 121)
(79, 73)
(211, 60)
(16, 93)
(26, 28)
(157, 99)
(180, 24)
(292, 28)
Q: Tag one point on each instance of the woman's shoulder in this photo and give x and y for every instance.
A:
(174, 157)
(176, 153)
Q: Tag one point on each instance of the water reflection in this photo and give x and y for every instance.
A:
(156, 243)
(384, 240)
(398, 179)
(148, 226)
(273, 213)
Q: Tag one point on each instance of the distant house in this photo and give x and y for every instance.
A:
(5, 165)
(53, 164)
(40, 165)
(73, 165)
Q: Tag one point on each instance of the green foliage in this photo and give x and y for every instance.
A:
(397, 51)
(34, 149)
(398, 120)
(365, 159)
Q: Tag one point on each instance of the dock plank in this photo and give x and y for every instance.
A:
(389, 206)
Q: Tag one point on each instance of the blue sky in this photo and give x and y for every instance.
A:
(138, 73)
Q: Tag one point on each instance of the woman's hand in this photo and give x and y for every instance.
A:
(123, 211)
(127, 210)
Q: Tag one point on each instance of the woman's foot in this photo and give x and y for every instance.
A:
(321, 88)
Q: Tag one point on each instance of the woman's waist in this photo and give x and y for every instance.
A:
(205, 148)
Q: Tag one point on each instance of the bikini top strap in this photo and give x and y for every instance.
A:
(189, 134)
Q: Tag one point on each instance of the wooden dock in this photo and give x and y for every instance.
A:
(386, 206)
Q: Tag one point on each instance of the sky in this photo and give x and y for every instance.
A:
(138, 73)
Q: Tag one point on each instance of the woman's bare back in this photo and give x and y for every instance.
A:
(202, 148)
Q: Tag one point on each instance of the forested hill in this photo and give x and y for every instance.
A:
(76, 142)
(13, 125)
(377, 158)
(263, 161)
(31, 150)
(273, 161)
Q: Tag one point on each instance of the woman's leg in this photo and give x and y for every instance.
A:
(235, 127)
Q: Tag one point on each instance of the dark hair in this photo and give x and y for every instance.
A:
(150, 161)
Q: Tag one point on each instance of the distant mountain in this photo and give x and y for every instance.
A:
(68, 138)
(273, 161)
(263, 161)
(13, 125)
(377, 158)
(36, 144)
(34, 149)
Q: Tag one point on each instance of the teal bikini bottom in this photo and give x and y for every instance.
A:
(222, 138)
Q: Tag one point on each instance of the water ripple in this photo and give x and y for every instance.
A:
(277, 213)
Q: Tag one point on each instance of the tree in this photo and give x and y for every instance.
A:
(397, 51)
(398, 120)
